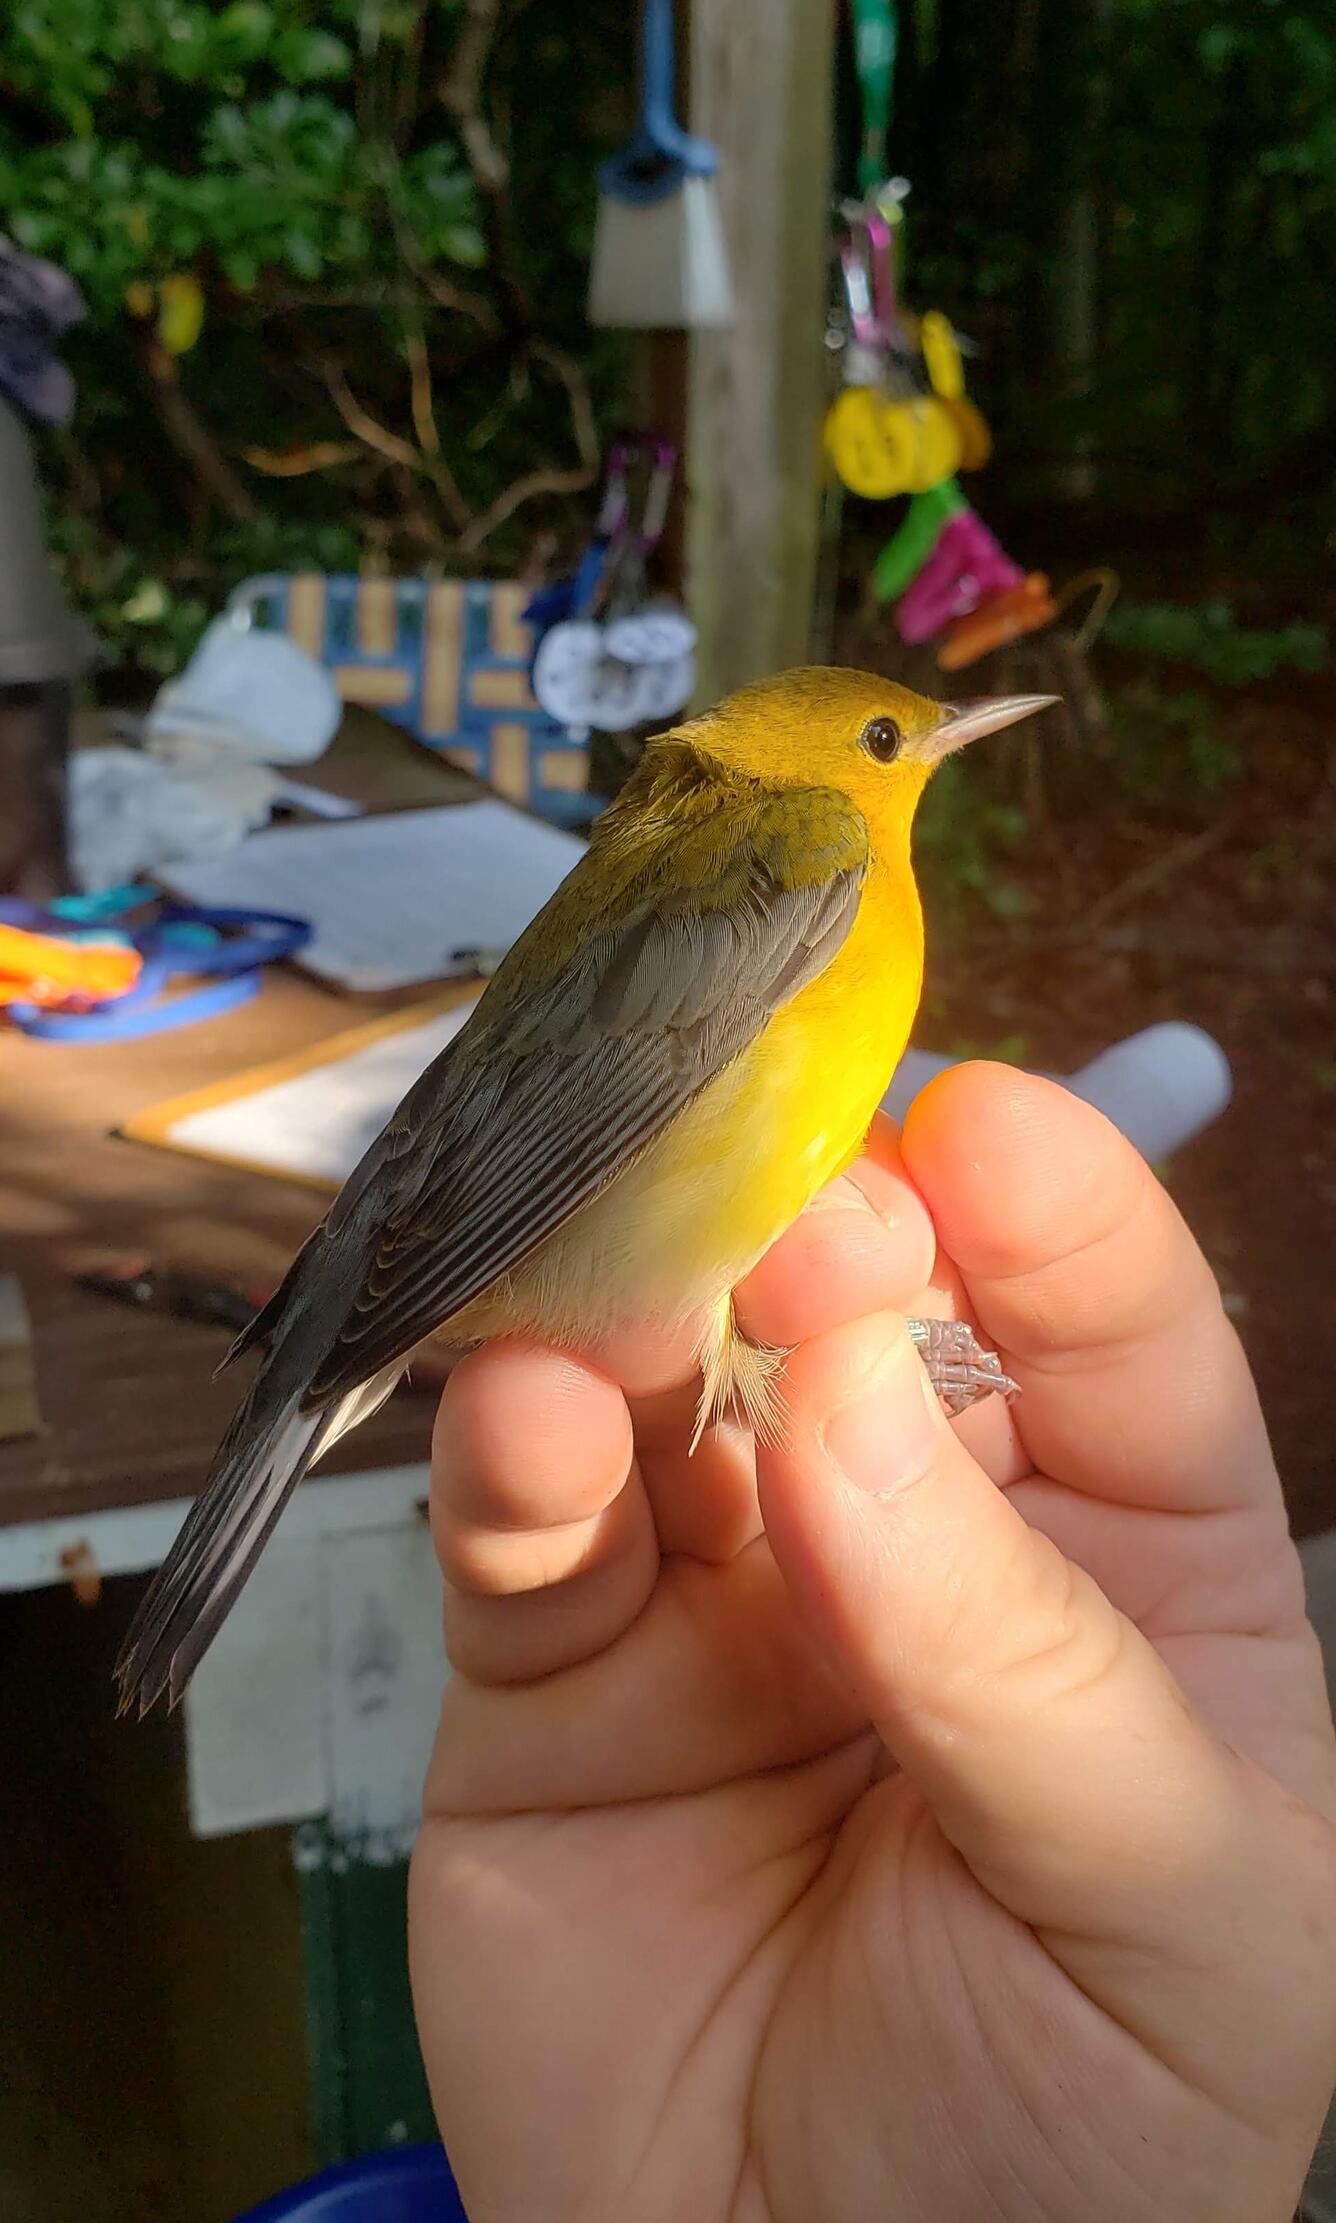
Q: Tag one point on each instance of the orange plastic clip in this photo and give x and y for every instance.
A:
(47, 969)
(1022, 609)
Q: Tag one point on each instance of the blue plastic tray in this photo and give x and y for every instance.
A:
(409, 2184)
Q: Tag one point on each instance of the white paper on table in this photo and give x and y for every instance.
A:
(1160, 1087)
(391, 898)
(315, 1126)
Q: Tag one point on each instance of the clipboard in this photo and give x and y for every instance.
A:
(307, 1117)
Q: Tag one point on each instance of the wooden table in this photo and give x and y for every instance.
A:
(317, 1703)
(131, 1412)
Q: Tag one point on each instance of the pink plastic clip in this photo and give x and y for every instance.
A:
(965, 568)
(858, 294)
(881, 255)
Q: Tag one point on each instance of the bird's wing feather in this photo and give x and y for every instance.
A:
(583, 1047)
(510, 1134)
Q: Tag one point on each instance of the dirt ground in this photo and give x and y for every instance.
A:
(1220, 910)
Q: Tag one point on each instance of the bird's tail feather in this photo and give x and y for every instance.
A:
(268, 1447)
(255, 1473)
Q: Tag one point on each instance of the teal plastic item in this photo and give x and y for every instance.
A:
(876, 42)
(410, 2184)
(107, 903)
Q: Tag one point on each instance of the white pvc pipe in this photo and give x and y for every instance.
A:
(1160, 1087)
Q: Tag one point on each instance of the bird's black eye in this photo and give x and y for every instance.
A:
(882, 739)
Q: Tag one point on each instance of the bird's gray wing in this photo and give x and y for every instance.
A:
(568, 1067)
(508, 1135)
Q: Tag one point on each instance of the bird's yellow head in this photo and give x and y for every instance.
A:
(821, 726)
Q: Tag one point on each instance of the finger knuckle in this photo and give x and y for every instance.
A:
(1059, 1639)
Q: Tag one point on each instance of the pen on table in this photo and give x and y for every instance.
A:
(479, 962)
(150, 1286)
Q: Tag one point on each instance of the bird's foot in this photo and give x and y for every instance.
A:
(959, 1367)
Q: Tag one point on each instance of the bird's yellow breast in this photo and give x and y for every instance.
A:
(696, 1210)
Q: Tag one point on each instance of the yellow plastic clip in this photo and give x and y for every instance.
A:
(941, 355)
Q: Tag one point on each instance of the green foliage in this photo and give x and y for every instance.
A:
(154, 614)
(1223, 143)
(1202, 136)
(1009, 1049)
(1168, 744)
(1209, 639)
(68, 54)
(154, 625)
(261, 180)
(962, 840)
(383, 352)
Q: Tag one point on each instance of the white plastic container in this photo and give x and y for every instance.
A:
(1160, 1087)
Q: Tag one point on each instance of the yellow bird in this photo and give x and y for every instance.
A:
(686, 1044)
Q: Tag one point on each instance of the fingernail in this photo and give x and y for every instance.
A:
(885, 1430)
(840, 1195)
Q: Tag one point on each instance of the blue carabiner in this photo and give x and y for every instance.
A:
(132, 1016)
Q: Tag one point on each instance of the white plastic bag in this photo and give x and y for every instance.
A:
(130, 813)
(254, 694)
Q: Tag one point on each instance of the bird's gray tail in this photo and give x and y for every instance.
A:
(267, 1449)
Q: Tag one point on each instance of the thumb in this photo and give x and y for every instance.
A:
(1052, 1744)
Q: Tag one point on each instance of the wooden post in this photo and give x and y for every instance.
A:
(762, 91)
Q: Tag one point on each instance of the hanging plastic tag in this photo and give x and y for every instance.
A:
(875, 42)
(580, 684)
(882, 434)
(870, 461)
(976, 441)
(659, 632)
(567, 656)
(946, 373)
(941, 355)
(864, 460)
(640, 628)
(939, 455)
(1024, 608)
(967, 566)
(913, 541)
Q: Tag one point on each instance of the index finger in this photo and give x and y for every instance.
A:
(1079, 1268)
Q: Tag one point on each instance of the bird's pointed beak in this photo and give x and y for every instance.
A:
(968, 721)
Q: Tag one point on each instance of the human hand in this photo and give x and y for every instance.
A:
(924, 1820)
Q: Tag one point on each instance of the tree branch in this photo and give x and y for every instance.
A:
(448, 296)
(296, 463)
(587, 443)
(192, 439)
(364, 426)
(573, 480)
(419, 373)
(460, 94)
(376, 436)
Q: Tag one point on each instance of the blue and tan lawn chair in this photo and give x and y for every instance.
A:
(446, 658)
